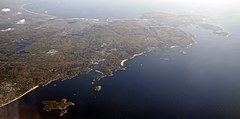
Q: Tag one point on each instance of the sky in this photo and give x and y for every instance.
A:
(206, 3)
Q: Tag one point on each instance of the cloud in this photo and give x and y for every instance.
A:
(23, 21)
(8, 29)
(6, 10)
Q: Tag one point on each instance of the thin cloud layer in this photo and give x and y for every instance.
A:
(6, 10)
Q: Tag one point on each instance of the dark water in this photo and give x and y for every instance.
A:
(204, 84)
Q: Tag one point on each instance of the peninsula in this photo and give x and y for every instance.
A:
(36, 49)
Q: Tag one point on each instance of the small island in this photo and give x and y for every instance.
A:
(98, 88)
(54, 105)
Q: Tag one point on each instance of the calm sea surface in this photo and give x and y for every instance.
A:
(204, 84)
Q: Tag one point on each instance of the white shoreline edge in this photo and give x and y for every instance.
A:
(135, 55)
(123, 61)
(19, 96)
(97, 71)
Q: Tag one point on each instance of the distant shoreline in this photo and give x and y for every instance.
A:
(35, 13)
(70, 18)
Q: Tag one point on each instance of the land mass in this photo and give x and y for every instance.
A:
(36, 49)
(54, 105)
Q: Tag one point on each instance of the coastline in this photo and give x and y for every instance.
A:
(122, 63)
(35, 13)
(2, 105)
(55, 17)
(97, 71)
(135, 55)
(139, 54)
(50, 17)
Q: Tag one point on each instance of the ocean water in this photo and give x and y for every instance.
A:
(204, 84)
(120, 9)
